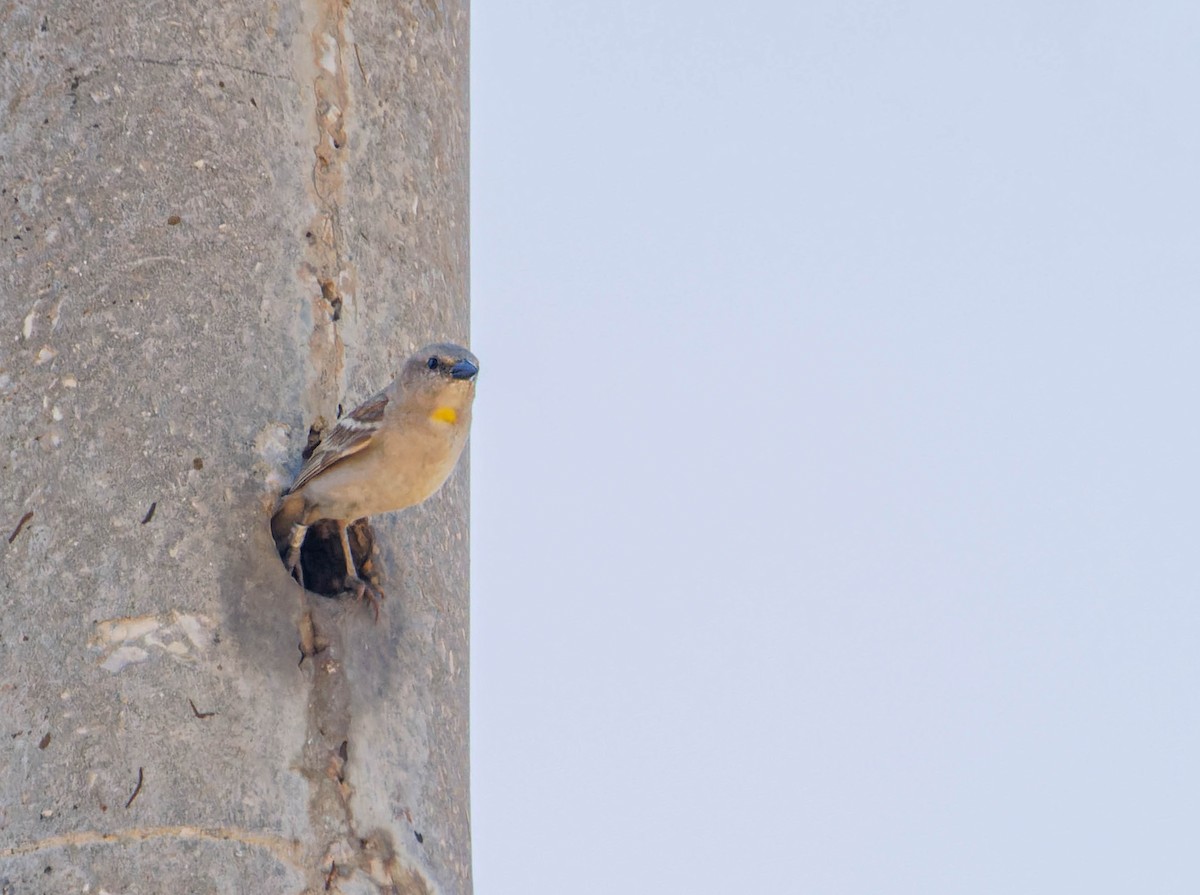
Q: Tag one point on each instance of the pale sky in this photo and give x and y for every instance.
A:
(834, 470)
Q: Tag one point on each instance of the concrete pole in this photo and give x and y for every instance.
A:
(219, 222)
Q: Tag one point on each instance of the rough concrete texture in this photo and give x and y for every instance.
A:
(220, 220)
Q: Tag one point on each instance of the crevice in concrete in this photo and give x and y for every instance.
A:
(333, 852)
(324, 565)
(286, 851)
(329, 277)
(334, 849)
(340, 850)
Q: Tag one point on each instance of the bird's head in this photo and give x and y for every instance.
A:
(444, 374)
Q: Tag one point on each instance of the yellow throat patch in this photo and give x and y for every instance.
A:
(445, 414)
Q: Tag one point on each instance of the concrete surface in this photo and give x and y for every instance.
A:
(219, 221)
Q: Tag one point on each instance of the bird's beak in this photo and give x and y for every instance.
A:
(464, 369)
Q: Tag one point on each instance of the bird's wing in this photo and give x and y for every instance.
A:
(352, 433)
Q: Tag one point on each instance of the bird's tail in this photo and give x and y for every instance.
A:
(291, 509)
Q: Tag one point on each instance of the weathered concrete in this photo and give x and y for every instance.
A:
(219, 220)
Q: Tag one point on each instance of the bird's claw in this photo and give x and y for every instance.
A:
(294, 567)
(364, 590)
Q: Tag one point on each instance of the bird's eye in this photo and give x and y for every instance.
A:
(432, 363)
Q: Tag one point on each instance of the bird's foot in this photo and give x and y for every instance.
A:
(292, 563)
(364, 590)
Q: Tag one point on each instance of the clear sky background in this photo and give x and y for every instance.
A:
(835, 484)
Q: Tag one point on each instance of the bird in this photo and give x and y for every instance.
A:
(393, 451)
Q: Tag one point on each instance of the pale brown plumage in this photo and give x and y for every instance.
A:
(392, 451)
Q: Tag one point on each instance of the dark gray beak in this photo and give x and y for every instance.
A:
(464, 369)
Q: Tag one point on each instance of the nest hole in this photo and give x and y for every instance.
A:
(322, 561)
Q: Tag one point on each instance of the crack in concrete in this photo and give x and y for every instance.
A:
(287, 851)
(332, 279)
(324, 757)
(206, 63)
(343, 849)
(339, 849)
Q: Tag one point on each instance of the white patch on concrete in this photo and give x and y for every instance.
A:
(271, 445)
(27, 325)
(122, 630)
(54, 314)
(181, 636)
(329, 57)
(197, 629)
(123, 657)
